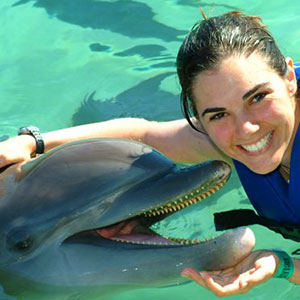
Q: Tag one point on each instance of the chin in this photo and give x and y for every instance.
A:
(262, 170)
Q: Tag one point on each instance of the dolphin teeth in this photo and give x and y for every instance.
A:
(183, 241)
(186, 200)
(166, 243)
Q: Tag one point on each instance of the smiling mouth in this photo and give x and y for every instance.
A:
(260, 146)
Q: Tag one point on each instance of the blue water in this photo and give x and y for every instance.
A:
(70, 62)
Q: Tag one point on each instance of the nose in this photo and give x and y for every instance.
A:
(246, 126)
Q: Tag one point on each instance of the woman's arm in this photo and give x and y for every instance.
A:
(176, 139)
(296, 275)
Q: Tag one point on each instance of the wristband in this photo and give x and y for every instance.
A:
(34, 132)
(286, 267)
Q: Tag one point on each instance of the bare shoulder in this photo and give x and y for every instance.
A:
(177, 140)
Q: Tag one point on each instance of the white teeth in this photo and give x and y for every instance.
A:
(260, 144)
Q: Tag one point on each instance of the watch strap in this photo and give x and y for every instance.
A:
(286, 267)
(34, 132)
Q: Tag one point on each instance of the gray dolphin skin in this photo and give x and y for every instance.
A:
(75, 221)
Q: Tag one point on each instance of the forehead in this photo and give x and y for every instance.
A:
(231, 80)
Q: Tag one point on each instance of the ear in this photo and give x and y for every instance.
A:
(290, 77)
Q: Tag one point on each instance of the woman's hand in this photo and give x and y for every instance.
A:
(16, 149)
(255, 269)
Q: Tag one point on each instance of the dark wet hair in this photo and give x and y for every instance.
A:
(212, 40)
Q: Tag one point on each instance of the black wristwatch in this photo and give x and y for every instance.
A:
(35, 132)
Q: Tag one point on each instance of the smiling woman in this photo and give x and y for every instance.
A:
(242, 94)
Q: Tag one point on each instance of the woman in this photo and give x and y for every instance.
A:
(243, 95)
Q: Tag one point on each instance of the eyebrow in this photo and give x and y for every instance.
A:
(246, 96)
(253, 90)
(212, 110)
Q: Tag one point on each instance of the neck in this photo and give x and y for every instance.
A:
(285, 172)
(287, 155)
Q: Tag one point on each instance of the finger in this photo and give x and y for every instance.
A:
(2, 162)
(259, 275)
(223, 276)
(235, 287)
(193, 275)
(205, 280)
(7, 161)
(225, 272)
(253, 270)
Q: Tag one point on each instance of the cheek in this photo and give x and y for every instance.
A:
(221, 135)
(279, 108)
(275, 113)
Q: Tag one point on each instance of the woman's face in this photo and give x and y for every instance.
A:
(249, 111)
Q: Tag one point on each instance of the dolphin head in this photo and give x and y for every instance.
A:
(82, 209)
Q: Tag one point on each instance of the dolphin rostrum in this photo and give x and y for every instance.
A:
(75, 221)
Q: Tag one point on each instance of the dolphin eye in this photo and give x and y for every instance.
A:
(20, 240)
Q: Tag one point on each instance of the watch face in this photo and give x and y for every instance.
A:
(29, 130)
(23, 130)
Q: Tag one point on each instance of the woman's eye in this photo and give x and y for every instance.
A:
(257, 98)
(217, 116)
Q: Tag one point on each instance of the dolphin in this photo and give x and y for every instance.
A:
(74, 222)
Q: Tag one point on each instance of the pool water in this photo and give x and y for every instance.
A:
(71, 62)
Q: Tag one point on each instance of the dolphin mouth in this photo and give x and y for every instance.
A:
(136, 230)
